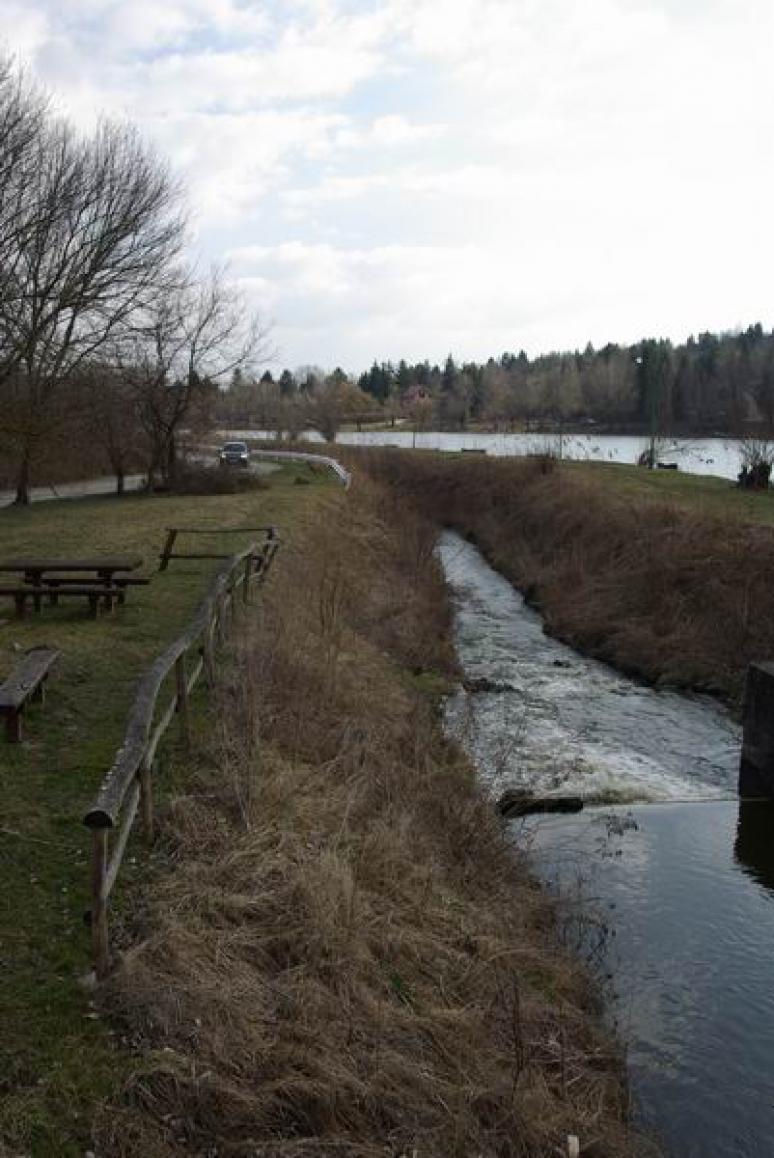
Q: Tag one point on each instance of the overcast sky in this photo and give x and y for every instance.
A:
(411, 177)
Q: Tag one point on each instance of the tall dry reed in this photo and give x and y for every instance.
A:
(671, 595)
(344, 954)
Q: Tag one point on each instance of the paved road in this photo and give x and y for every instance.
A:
(76, 490)
(103, 486)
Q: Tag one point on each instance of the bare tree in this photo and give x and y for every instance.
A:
(757, 456)
(111, 419)
(192, 335)
(22, 117)
(85, 245)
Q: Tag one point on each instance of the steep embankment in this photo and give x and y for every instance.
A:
(663, 590)
(342, 953)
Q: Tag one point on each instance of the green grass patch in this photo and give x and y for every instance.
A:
(433, 684)
(56, 1058)
(708, 493)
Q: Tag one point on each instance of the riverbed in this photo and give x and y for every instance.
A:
(666, 882)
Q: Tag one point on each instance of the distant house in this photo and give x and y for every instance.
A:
(415, 395)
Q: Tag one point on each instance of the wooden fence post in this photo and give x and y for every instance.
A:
(181, 679)
(99, 922)
(246, 579)
(208, 651)
(220, 611)
(167, 548)
(145, 776)
(131, 775)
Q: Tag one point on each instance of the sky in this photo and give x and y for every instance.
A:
(409, 178)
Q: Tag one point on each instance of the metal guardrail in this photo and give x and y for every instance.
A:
(128, 785)
(300, 456)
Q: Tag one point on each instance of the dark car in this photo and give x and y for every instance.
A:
(234, 454)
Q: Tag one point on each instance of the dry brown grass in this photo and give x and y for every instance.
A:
(344, 954)
(672, 595)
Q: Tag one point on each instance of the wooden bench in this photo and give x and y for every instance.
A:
(104, 578)
(20, 595)
(26, 682)
(57, 581)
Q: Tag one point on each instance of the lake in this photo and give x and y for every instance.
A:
(715, 456)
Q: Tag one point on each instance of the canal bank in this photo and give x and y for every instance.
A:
(665, 883)
(674, 588)
(343, 952)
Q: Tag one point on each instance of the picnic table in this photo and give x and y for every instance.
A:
(98, 579)
(105, 569)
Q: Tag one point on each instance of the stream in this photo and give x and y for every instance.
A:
(665, 881)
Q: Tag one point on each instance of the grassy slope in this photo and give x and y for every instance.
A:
(54, 1056)
(666, 576)
(344, 954)
(704, 494)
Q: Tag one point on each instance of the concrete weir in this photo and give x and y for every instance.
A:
(756, 770)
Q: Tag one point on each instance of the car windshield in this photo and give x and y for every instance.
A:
(236, 447)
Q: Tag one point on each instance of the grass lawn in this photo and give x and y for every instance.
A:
(55, 1055)
(707, 493)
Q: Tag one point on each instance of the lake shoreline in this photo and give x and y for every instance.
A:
(707, 456)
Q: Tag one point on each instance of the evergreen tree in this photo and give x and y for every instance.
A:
(449, 376)
(404, 378)
(287, 384)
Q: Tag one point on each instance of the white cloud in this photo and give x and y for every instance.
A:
(387, 132)
(26, 29)
(409, 176)
(233, 161)
(143, 26)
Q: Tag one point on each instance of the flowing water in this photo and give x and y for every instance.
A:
(666, 882)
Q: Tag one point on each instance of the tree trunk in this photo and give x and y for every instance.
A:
(153, 468)
(120, 482)
(169, 470)
(23, 477)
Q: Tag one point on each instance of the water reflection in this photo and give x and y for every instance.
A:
(671, 902)
(682, 894)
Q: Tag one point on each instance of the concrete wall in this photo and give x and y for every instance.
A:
(756, 771)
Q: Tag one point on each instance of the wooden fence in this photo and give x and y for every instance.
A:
(168, 551)
(128, 786)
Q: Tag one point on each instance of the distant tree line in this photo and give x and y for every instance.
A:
(714, 383)
(109, 335)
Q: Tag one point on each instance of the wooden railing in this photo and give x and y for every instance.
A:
(128, 786)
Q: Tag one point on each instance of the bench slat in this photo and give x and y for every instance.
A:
(66, 589)
(26, 677)
(71, 580)
(109, 563)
